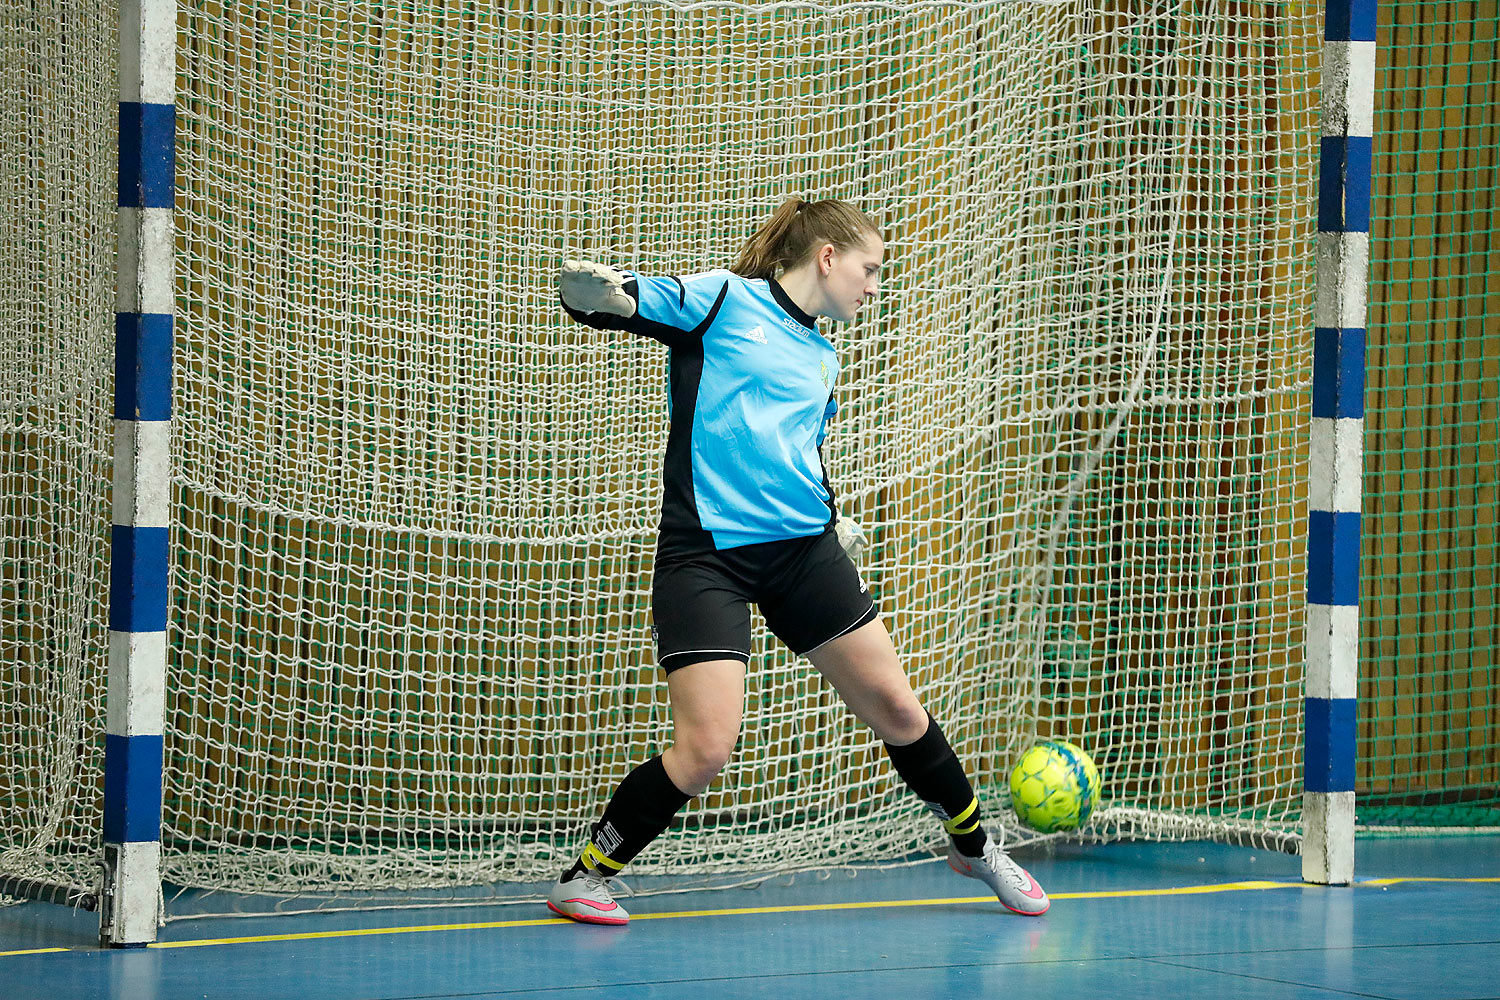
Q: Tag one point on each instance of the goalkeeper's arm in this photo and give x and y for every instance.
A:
(675, 311)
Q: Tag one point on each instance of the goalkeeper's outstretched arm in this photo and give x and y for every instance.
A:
(672, 310)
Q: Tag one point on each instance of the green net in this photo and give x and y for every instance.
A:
(1429, 730)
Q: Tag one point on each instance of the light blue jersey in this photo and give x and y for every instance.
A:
(750, 393)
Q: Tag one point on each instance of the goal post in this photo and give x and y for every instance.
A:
(139, 551)
(1337, 464)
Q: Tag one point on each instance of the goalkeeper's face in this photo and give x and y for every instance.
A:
(853, 279)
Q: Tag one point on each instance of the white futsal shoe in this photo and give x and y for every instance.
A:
(586, 898)
(1017, 890)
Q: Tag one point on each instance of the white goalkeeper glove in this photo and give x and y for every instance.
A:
(851, 537)
(590, 287)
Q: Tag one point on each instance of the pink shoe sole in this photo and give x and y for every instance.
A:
(584, 918)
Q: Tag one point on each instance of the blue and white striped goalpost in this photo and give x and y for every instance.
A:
(1337, 458)
(130, 905)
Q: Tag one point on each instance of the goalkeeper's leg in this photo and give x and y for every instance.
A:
(707, 703)
(863, 667)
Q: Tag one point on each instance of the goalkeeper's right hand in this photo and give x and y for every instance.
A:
(590, 287)
(851, 537)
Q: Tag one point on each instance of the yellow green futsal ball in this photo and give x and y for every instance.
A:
(1054, 787)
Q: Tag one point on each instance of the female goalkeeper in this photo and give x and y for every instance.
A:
(748, 516)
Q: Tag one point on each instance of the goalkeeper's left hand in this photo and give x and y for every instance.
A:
(851, 537)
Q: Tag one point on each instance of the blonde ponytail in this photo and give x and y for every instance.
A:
(796, 229)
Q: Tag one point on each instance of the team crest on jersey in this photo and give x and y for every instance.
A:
(827, 382)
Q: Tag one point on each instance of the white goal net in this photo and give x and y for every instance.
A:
(414, 505)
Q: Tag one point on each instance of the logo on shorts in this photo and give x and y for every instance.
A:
(864, 588)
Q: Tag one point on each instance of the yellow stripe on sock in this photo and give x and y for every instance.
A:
(595, 859)
(955, 825)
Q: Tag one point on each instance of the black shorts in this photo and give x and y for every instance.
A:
(807, 589)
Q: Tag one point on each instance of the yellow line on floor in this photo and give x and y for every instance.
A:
(1187, 890)
(363, 932)
(738, 911)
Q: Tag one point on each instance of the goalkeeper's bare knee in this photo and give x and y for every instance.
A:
(693, 766)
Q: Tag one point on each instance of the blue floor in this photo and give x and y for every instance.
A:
(1259, 934)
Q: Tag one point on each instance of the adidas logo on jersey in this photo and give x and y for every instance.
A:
(758, 335)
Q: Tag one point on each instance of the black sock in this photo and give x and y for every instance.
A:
(931, 768)
(641, 808)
